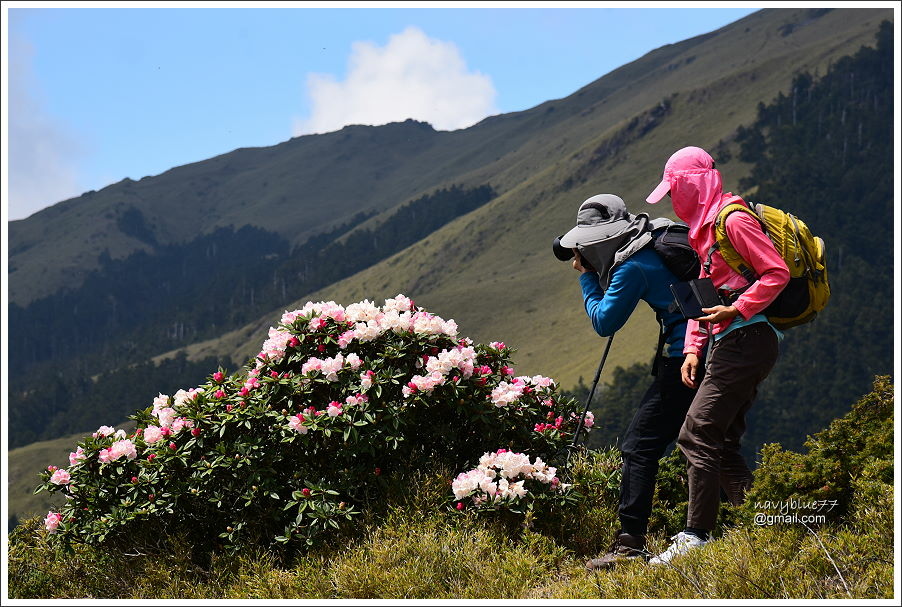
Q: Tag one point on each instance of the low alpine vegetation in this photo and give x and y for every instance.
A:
(340, 404)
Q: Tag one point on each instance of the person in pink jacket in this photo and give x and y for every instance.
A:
(743, 344)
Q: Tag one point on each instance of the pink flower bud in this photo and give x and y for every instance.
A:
(460, 505)
(218, 376)
(173, 446)
(134, 479)
(294, 342)
(151, 457)
(243, 391)
(274, 374)
(195, 431)
(306, 492)
(219, 394)
(377, 471)
(229, 407)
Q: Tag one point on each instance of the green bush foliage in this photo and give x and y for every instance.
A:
(847, 467)
(338, 407)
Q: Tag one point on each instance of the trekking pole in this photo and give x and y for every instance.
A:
(582, 418)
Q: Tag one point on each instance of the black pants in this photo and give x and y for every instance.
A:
(655, 426)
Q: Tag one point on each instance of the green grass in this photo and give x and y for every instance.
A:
(414, 549)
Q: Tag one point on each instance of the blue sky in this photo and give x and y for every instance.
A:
(99, 94)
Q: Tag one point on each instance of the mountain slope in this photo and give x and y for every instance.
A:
(492, 270)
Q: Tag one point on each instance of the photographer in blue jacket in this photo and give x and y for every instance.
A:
(618, 266)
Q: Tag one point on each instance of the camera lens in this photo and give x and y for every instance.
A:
(560, 251)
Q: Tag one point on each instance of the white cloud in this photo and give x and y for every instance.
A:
(40, 170)
(413, 76)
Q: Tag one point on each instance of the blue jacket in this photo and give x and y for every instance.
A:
(642, 276)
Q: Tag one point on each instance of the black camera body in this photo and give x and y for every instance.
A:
(560, 251)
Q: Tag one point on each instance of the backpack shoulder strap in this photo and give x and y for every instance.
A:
(722, 242)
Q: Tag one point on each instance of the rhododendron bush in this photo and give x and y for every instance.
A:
(339, 401)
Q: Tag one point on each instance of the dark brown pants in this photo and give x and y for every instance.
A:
(710, 436)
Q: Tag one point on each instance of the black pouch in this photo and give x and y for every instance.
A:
(693, 295)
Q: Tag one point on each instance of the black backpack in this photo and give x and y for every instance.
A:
(672, 244)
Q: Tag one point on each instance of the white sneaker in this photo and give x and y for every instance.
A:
(682, 543)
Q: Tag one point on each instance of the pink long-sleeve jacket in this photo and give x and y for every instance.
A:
(697, 197)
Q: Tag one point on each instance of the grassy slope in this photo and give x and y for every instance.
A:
(492, 270)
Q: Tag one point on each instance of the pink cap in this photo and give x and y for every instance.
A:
(682, 160)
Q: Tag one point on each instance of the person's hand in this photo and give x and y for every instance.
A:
(718, 314)
(578, 263)
(688, 370)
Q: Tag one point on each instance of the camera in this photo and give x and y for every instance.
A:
(560, 251)
(566, 254)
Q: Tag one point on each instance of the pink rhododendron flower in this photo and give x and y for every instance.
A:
(152, 434)
(353, 361)
(104, 431)
(346, 338)
(76, 456)
(274, 348)
(334, 409)
(179, 423)
(331, 366)
(399, 304)
(366, 380)
(183, 397)
(296, 422)
(165, 416)
(124, 448)
(497, 345)
(121, 448)
(356, 399)
(312, 364)
(60, 477)
(52, 521)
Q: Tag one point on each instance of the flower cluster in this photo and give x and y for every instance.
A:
(337, 399)
(502, 476)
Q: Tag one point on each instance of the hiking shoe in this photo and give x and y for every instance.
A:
(625, 548)
(682, 543)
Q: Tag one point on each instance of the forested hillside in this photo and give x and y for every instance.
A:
(183, 293)
(823, 152)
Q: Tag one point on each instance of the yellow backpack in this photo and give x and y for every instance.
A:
(808, 289)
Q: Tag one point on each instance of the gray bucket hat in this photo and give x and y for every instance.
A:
(600, 217)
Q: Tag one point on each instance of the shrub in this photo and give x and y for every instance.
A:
(847, 467)
(340, 405)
